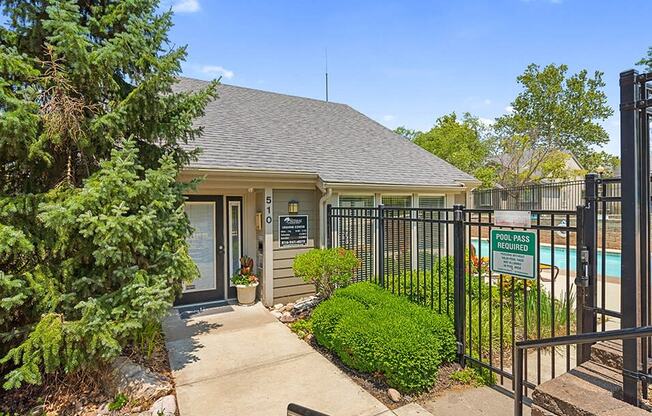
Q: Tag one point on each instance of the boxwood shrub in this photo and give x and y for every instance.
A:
(373, 331)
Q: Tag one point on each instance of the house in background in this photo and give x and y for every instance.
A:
(269, 160)
(547, 193)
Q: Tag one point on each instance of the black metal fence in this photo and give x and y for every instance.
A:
(438, 257)
(545, 196)
(592, 266)
(406, 250)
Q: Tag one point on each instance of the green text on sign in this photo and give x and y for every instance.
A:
(514, 253)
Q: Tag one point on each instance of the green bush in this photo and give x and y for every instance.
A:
(435, 289)
(327, 269)
(432, 288)
(373, 331)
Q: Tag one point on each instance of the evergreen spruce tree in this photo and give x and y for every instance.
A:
(92, 136)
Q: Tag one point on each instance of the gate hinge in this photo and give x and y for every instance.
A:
(582, 280)
(636, 105)
(638, 375)
(460, 348)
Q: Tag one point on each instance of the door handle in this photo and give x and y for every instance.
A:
(220, 249)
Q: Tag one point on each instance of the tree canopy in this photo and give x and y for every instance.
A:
(461, 142)
(647, 61)
(555, 116)
(92, 136)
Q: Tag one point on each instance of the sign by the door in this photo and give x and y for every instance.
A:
(293, 230)
(514, 253)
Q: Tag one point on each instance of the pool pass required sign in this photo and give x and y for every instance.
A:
(514, 253)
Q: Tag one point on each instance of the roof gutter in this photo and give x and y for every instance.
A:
(327, 192)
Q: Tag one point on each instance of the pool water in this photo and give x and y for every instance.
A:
(612, 264)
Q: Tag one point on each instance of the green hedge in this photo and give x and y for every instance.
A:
(373, 331)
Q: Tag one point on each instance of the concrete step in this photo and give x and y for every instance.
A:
(608, 353)
(591, 389)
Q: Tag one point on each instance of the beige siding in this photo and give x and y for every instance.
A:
(288, 288)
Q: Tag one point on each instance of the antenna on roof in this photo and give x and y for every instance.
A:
(326, 53)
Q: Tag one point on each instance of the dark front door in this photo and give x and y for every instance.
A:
(207, 249)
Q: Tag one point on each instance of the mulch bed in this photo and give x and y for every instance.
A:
(78, 394)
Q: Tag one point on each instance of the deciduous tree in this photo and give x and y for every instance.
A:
(555, 115)
(462, 143)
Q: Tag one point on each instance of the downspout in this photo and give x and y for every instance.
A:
(326, 194)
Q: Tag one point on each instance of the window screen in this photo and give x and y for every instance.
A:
(356, 201)
(397, 201)
(432, 202)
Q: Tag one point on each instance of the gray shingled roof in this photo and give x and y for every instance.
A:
(258, 130)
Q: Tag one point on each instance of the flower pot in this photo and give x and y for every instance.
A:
(246, 294)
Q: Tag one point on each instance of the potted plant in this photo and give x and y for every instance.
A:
(245, 281)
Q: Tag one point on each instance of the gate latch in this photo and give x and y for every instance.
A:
(583, 278)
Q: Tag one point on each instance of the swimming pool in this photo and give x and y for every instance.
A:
(612, 259)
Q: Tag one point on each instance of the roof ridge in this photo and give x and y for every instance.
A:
(267, 92)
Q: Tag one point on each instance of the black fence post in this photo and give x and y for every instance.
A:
(380, 250)
(635, 178)
(329, 226)
(459, 238)
(587, 247)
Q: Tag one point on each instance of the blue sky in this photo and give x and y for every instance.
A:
(408, 62)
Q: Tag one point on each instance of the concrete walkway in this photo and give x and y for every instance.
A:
(482, 401)
(236, 360)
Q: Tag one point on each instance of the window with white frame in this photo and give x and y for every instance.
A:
(363, 229)
(426, 201)
(235, 235)
(356, 201)
(397, 201)
(429, 235)
(484, 197)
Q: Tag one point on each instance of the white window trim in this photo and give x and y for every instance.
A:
(230, 267)
(214, 282)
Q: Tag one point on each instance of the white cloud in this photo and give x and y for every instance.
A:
(509, 109)
(487, 101)
(389, 117)
(487, 121)
(186, 6)
(217, 70)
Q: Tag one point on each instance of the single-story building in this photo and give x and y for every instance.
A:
(271, 159)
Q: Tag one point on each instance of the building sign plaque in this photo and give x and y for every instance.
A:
(293, 230)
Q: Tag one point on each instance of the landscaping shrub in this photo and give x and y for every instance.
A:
(435, 289)
(432, 288)
(327, 269)
(373, 331)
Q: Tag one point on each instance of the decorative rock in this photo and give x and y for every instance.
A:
(277, 314)
(288, 307)
(287, 318)
(165, 406)
(278, 306)
(137, 382)
(394, 395)
(306, 303)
